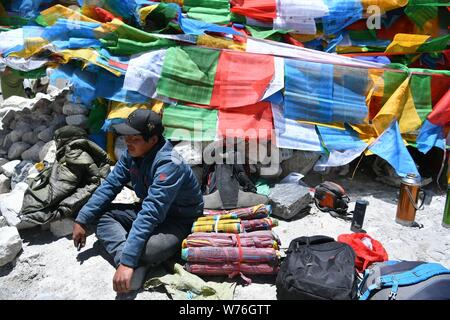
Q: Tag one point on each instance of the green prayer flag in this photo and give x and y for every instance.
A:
(212, 11)
(237, 18)
(215, 4)
(189, 123)
(129, 47)
(264, 33)
(210, 16)
(392, 80)
(420, 14)
(13, 22)
(439, 3)
(188, 74)
(370, 34)
(128, 32)
(436, 44)
(97, 116)
(421, 92)
(160, 18)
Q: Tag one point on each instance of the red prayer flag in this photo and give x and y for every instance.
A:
(440, 84)
(104, 15)
(249, 122)
(262, 10)
(440, 115)
(241, 79)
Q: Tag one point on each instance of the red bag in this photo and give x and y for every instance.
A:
(365, 255)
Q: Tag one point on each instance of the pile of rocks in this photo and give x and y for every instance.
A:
(28, 124)
(76, 114)
(27, 127)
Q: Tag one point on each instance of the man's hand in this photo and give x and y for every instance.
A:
(122, 279)
(79, 235)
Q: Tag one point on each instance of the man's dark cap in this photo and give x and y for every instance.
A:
(142, 122)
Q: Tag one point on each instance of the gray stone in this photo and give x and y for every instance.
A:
(77, 120)
(8, 168)
(58, 121)
(39, 129)
(23, 125)
(6, 143)
(289, 199)
(17, 149)
(70, 109)
(43, 107)
(47, 134)
(32, 153)
(30, 137)
(10, 244)
(5, 184)
(43, 118)
(17, 134)
(61, 228)
(2, 138)
(36, 122)
(7, 118)
(12, 124)
(57, 106)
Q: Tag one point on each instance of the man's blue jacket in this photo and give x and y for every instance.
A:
(167, 186)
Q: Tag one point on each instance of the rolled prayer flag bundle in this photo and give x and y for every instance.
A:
(229, 254)
(231, 269)
(256, 239)
(234, 225)
(255, 212)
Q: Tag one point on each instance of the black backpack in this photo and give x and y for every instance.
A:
(317, 268)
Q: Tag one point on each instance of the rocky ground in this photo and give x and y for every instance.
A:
(49, 267)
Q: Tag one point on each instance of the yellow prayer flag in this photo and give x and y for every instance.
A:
(32, 46)
(406, 43)
(366, 132)
(122, 110)
(376, 87)
(334, 125)
(384, 5)
(219, 43)
(107, 28)
(145, 11)
(400, 106)
(87, 56)
(58, 11)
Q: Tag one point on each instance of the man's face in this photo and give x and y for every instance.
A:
(138, 146)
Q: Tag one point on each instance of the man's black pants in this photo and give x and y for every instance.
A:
(165, 241)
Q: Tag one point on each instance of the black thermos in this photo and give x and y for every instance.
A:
(358, 215)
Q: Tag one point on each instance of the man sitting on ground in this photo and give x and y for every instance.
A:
(145, 235)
